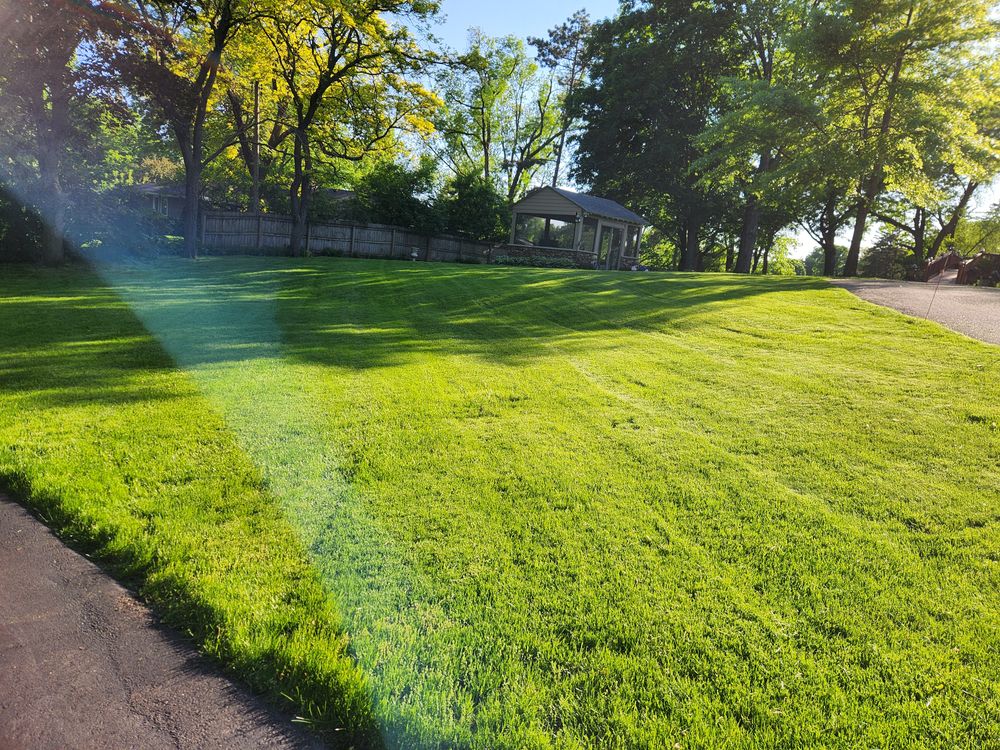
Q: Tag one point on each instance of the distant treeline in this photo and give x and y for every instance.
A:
(731, 125)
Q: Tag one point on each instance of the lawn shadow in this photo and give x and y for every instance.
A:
(68, 340)
(365, 314)
(73, 356)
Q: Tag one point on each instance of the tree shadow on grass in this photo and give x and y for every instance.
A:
(365, 314)
(71, 348)
(67, 339)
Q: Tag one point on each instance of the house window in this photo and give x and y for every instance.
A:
(545, 231)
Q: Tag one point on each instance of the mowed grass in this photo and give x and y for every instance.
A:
(512, 508)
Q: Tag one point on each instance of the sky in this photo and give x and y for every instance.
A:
(526, 18)
(522, 18)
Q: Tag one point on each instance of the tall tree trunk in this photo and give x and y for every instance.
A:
(51, 115)
(829, 254)
(190, 146)
(255, 152)
(919, 234)
(192, 204)
(52, 201)
(875, 182)
(301, 194)
(195, 138)
(828, 235)
(861, 208)
(690, 257)
(750, 226)
(748, 235)
(948, 230)
(681, 247)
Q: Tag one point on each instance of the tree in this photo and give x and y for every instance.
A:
(751, 136)
(41, 87)
(884, 66)
(928, 206)
(888, 258)
(501, 118)
(173, 55)
(345, 73)
(474, 208)
(978, 235)
(257, 154)
(654, 84)
(815, 264)
(565, 53)
(393, 193)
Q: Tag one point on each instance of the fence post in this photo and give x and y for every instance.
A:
(392, 243)
(427, 255)
(204, 226)
(260, 230)
(308, 235)
(351, 247)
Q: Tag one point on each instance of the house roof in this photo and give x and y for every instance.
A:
(604, 207)
(167, 190)
(335, 194)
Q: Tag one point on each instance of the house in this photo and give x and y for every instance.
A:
(594, 232)
(165, 200)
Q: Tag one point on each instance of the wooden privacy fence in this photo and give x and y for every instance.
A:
(237, 232)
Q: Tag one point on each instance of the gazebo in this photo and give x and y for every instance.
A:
(594, 232)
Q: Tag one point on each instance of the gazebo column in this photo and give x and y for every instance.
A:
(578, 234)
(597, 243)
(513, 226)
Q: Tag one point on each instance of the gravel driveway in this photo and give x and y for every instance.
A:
(974, 311)
(84, 665)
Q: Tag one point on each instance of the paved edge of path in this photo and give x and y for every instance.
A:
(969, 310)
(83, 664)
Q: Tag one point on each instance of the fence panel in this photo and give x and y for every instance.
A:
(263, 232)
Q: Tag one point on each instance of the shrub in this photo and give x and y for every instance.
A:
(398, 195)
(472, 207)
(538, 261)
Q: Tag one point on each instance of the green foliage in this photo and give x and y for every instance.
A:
(472, 207)
(779, 262)
(501, 117)
(400, 195)
(20, 230)
(536, 261)
(655, 82)
(813, 263)
(536, 508)
(978, 235)
(888, 258)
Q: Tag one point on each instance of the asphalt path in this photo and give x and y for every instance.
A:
(974, 311)
(83, 664)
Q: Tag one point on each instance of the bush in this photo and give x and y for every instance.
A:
(472, 207)
(538, 261)
(888, 258)
(398, 195)
(20, 229)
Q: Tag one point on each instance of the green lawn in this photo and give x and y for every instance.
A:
(509, 508)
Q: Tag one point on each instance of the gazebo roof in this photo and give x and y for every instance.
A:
(591, 204)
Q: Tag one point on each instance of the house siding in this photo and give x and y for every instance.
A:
(546, 202)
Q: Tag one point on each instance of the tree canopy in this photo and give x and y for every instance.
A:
(729, 123)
